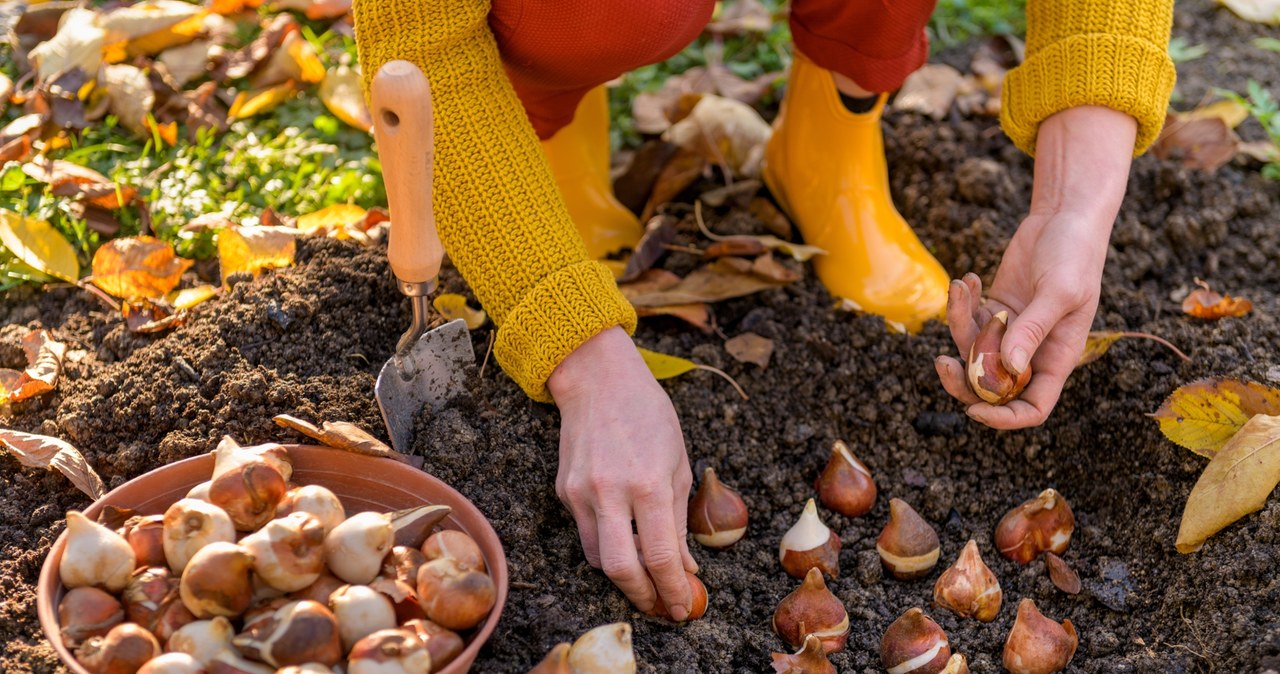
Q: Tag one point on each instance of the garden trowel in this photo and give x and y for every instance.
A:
(429, 366)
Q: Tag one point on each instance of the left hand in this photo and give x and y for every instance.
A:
(1050, 276)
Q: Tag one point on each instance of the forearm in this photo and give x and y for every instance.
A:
(1082, 168)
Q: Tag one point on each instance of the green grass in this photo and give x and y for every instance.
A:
(955, 22)
(1265, 108)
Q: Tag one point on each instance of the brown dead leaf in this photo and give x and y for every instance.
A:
(44, 364)
(679, 173)
(720, 280)
(77, 45)
(73, 180)
(633, 185)
(1063, 576)
(750, 348)
(244, 61)
(345, 436)
(800, 252)
(725, 132)
(1203, 415)
(39, 451)
(1236, 482)
(930, 90)
(187, 62)
(295, 59)
(659, 232)
(138, 267)
(129, 91)
(1099, 342)
(252, 249)
(1205, 143)
(772, 218)
(197, 109)
(316, 9)
(738, 193)
(655, 111)
(697, 315)
(741, 17)
(769, 268)
(340, 93)
(183, 32)
(1263, 151)
(744, 246)
(1256, 11)
(1204, 303)
(146, 316)
(652, 280)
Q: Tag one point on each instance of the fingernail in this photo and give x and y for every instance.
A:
(1018, 359)
(939, 364)
(679, 613)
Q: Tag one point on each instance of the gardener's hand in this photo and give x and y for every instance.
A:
(622, 459)
(1051, 274)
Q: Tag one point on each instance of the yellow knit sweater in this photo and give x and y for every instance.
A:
(505, 226)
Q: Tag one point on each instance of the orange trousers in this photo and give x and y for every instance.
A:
(555, 51)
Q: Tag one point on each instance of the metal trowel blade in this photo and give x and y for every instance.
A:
(432, 373)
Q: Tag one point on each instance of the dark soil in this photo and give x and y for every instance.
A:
(308, 341)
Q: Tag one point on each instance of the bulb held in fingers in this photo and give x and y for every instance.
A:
(908, 546)
(1043, 523)
(914, 644)
(810, 659)
(95, 556)
(717, 514)
(809, 544)
(969, 588)
(1038, 645)
(696, 610)
(846, 485)
(812, 609)
(988, 377)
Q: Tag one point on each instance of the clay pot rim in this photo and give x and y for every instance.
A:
(307, 458)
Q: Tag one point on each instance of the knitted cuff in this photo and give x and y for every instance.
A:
(566, 309)
(1132, 75)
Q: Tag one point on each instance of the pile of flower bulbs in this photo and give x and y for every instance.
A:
(251, 574)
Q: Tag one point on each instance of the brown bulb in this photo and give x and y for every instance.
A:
(152, 600)
(443, 644)
(387, 651)
(455, 544)
(697, 610)
(988, 377)
(1043, 523)
(455, 596)
(810, 659)
(296, 633)
(969, 588)
(87, 612)
(556, 662)
(249, 492)
(218, 581)
(1038, 645)
(809, 544)
(717, 514)
(145, 534)
(908, 546)
(124, 650)
(914, 644)
(812, 609)
(846, 485)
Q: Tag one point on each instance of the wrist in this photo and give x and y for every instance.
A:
(599, 360)
(1083, 155)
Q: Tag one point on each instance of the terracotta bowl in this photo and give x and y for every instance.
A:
(362, 483)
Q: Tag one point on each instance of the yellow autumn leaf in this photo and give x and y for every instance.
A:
(310, 68)
(252, 249)
(186, 298)
(1235, 483)
(664, 366)
(1099, 342)
(39, 245)
(1231, 112)
(1203, 415)
(341, 94)
(137, 267)
(330, 219)
(250, 103)
(178, 34)
(453, 305)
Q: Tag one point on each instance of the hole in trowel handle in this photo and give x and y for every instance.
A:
(390, 118)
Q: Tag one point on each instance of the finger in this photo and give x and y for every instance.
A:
(680, 506)
(655, 523)
(960, 315)
(1029, 409)
(951, 372)
(1029, 329)
(621, 563)
(587, 534)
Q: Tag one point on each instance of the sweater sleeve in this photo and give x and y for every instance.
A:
(1112, 53)
(497, 208)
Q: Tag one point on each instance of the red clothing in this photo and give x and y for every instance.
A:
(557, 50)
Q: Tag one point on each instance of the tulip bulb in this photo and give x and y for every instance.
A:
(956, 665)
(173, 663)
(231, 662)
(202, 639)
(152, 600)
(317, 500)
(146, 536)
(361, 611)
(403, 596)
(696, 610)
(443, 644)
(846, 485)
(320, 590)
(812, 609)
(95, 556)
(191, 524)
(603, 650)
(988, 376)
(810, 659)
(1038, 645)
(124, 650)
(969, 588)
(87, 612)
(229, 454)
(453, 595)
(200, 492)
(296, 633)
(455, 544)
(403, 562)
(809, 544)
(249, 491)
(288, 553)
(908, 546)
(717, 514)
(393, 651)
(309, 668)
(218, 581)
(556, 661)
(355, 548)
(1043, 523)
(914, 644)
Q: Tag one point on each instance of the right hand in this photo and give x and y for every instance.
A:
(622, 459)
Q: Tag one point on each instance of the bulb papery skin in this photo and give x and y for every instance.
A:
(908, 545)
(969, 588)
(295, 634)
(699, 596)
(354, 549)
(442, 643)
(145, 535)
(173, 663)
(455, 544)
(402, 564)
(914, 644)
(200, 492)
(717, 514)
(231, 662)
(87, 612)
(288, 552)
(320, 590)
(603, 650)
(125, 649)
(393, 651)
(191, 524)
(249, 492)
(361, 611)
(555, 662)
(322, 503)
(202, 639)
(809, 544)
(986, 373)
(152, 600)
(95, 556)
(218, 581)
(810, 659)
(956, 665)
(812, 609)
(403, 597)
(1045, 523)
(453, 595)
(1038, 645)
(229, 454)
(846, 485)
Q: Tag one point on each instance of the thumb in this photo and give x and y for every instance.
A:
(1028, 330)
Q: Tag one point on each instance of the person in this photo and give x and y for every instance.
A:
(524, 208)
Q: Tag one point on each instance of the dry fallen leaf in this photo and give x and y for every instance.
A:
(1257, 11)
(137, 267)
(294, 59)
(453, 306)
(772, 218)
(725, 132)
(176, 35)
(130, 94)
(679, 173)
(250, 103)
(659, 232)
(1235, 483)
(329, 219)
(340, 93)
(1204, 303)
(187, 62)
(37, 244)
(697, 315)
(1204, 414)
(244, 61)
(189, 297)
(800, 252)
(44, 364)
(252, 249)
(750, 348)
(720, 280)
(740, 17)
(77, 44)
(39, 451)
(1206, 143)
(1099, 342)
(663, 366)
(930, 90)
(1061, 574)
(146, 316)
(346, 436)
(69, 179)
(316, 9)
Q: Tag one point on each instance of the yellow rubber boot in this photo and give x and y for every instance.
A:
(579, 156)
(826, 166)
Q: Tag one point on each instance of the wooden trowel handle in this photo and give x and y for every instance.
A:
(402, 124)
